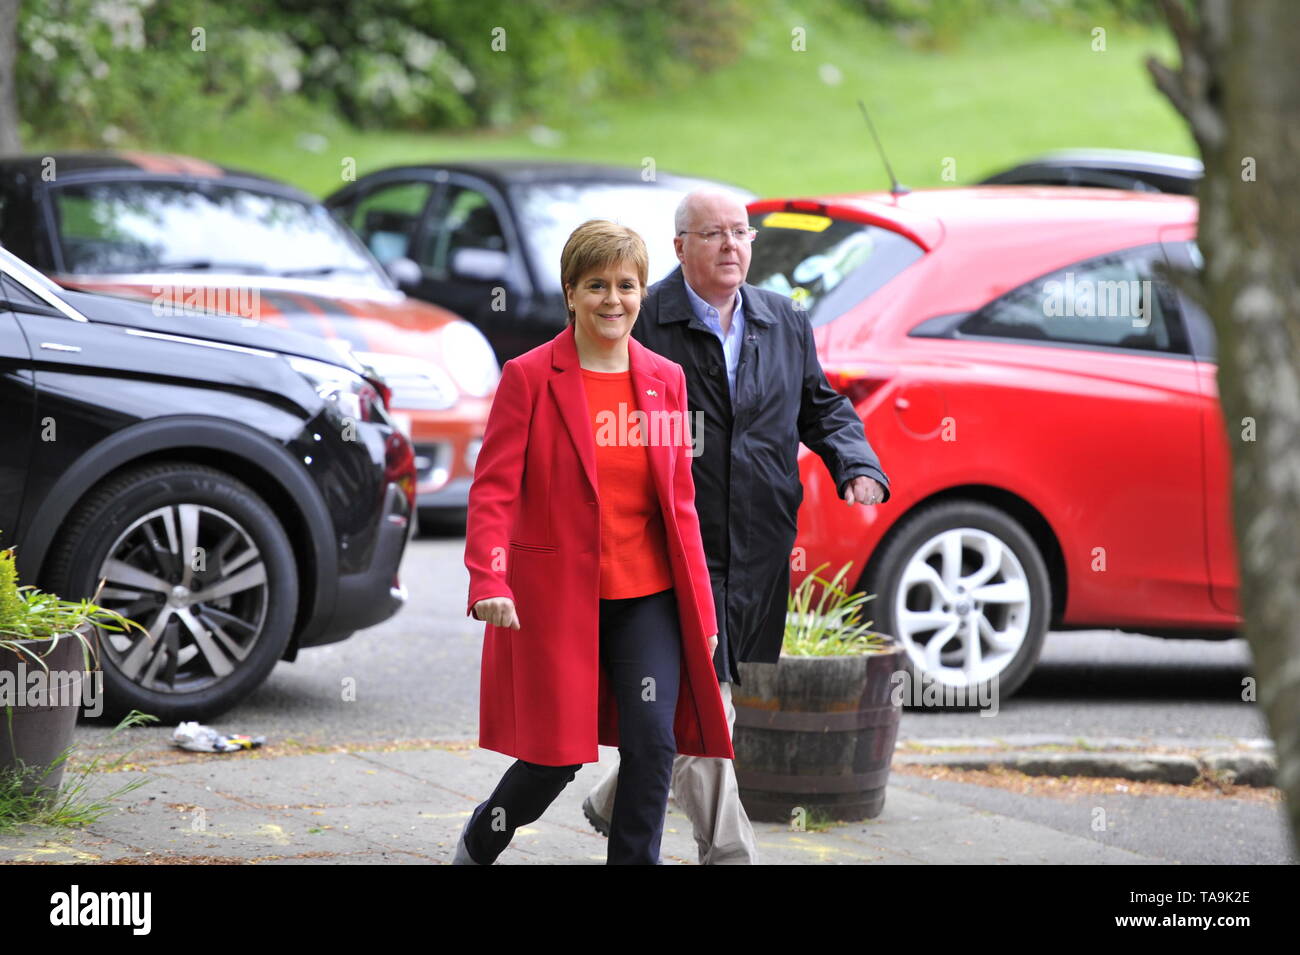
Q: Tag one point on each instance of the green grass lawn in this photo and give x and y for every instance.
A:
(1000, 93)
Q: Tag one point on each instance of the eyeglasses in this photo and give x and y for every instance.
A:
(740, 235)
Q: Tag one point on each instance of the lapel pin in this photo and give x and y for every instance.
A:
(652, 393)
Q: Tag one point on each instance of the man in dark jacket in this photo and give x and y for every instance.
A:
(756, 389)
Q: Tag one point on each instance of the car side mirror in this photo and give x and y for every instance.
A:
(480, 265)
(403, 271)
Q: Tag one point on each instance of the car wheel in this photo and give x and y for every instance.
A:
(964, 589)
(201, 562)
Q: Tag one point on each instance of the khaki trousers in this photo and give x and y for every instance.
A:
(706, 790)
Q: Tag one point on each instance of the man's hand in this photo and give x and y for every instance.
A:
(864, 490)
(713, 644)
(498, 611)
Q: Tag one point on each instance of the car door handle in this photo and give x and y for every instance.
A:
(58, 346)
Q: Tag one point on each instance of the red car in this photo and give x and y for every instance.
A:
(1044, 400)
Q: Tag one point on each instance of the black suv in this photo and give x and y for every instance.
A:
(240, 488)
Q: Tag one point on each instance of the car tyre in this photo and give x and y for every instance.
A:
(968, 575)
(211, 651)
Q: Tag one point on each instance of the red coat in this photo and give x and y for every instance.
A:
(533, 535)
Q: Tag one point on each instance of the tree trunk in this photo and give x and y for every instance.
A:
(1239, 88)
(9, 140)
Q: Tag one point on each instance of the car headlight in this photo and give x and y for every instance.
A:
(350, 393)
(417, 384)
(469, 356)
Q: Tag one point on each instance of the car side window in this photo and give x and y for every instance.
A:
(1185, 258)
(18, 298)
(467, 220)
(387, 217)
(20, 232)
(1117, 300)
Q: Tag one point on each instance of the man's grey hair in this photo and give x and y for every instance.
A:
(682, 217)
(686, 208)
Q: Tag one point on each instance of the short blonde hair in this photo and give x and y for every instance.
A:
(598, 243)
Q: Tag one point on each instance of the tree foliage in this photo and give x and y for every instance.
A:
(100, 71)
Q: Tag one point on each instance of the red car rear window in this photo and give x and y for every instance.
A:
(825, 265)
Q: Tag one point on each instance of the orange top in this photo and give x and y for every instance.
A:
(633, 546)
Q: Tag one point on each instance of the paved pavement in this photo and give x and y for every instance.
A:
(407, 803)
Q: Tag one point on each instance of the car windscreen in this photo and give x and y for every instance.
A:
(549, 211)
(825, 265)
(144, 226)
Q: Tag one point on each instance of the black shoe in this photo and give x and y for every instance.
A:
(599, 823)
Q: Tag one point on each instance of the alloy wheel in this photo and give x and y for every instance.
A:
(192, 576)
(962, 608)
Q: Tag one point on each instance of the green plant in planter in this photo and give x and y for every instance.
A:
(30, 614)
(74, 805)
(814, 734)
(834, 627)
(35, 737)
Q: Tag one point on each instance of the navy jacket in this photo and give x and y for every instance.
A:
(747, 488)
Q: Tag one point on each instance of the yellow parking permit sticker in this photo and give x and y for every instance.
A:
(796, 220)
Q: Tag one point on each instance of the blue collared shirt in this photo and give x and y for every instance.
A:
(735, 332)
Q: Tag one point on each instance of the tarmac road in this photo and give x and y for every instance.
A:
(416, 676)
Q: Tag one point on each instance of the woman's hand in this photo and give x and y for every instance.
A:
(498, 611)
(713, 644)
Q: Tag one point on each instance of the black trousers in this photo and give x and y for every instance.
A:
(640, 651)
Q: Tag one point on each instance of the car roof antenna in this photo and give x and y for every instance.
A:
(896, 188)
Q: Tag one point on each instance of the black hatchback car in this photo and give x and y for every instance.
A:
(240, 489)
(483, 238)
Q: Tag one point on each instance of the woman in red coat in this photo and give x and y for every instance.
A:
(585, 559)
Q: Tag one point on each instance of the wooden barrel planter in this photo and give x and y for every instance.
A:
(41, 730)
(817, 733)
